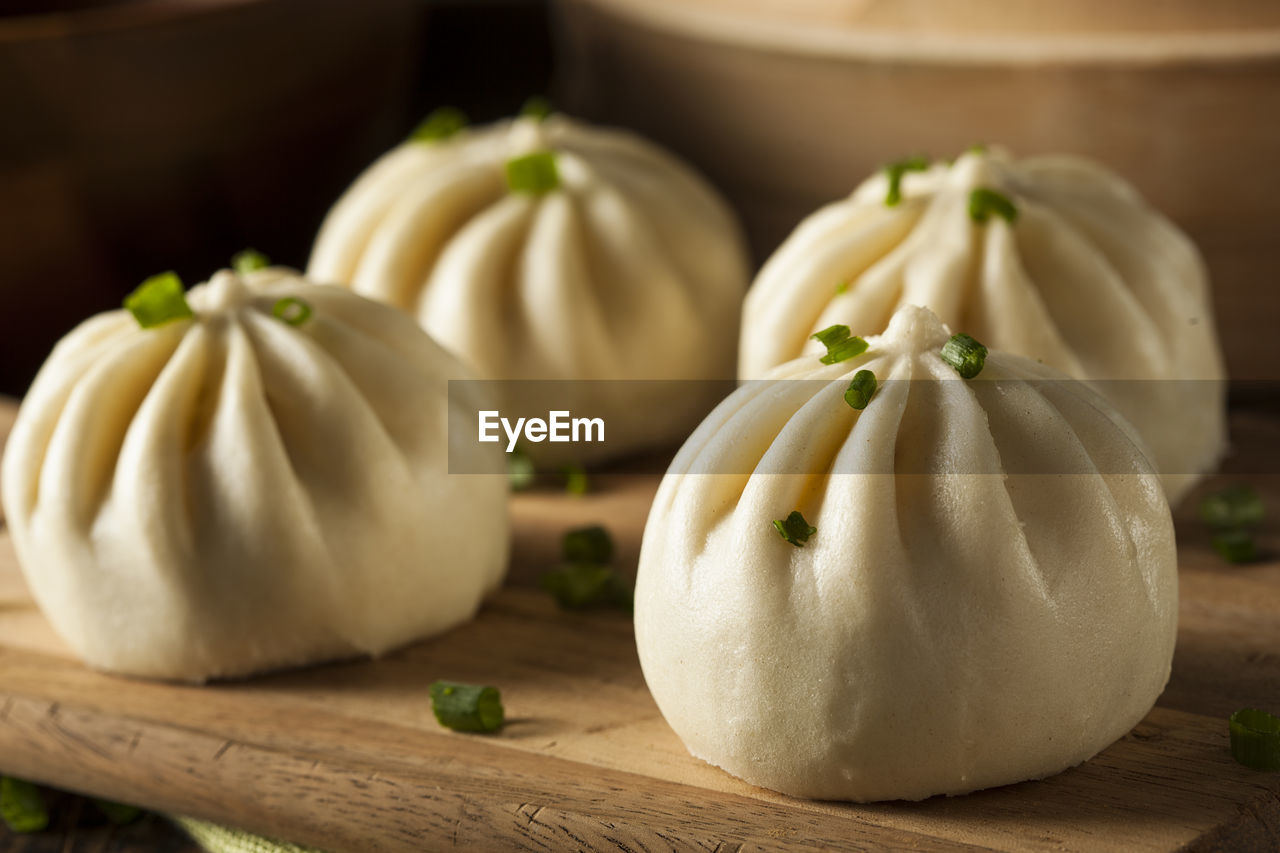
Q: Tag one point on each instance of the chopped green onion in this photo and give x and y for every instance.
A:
(534, 173)
(521, 472)
(1235, 506)
(248, 260)
(895, 171)
(1255, 739)
(575, 479)
(292, 310)
(965, 354)
(158, 300)
(584, 580)
(861, 389)
(578, 586)
(984, 202)
(977, 148)
(439, 125)
(467, 707)
(118, 813)
(537, 107)
(588, 545)
(839, 343)
(843, 287)
(795, 529)
(21, 806)
(1235, 545)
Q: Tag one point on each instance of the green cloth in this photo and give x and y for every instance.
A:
(222, 839)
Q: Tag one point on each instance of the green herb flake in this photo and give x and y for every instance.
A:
(158, 300)
(795, 529)
(584, 580)
(1235, 545)
(533, 174)
(1255, 739)
(591, 544)
(966, 355)
(843, 287)
(439, 125)
(582, 586)
(247, 260)
(21, 806)
(895, 171)
(521, 472)
(467, 707)
(1235, 506)
(984, 202)
(861, 389)
(291, 310)
(575, 479)
(537, 107)
(118, 813)
(840, 345)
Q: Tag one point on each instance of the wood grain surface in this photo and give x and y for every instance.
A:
(348, 757)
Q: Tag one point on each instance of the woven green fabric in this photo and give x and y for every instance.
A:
(222, 839)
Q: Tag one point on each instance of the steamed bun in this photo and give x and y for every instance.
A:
(1087, 278)
(551, 249)
(990, 594)
(231, 493)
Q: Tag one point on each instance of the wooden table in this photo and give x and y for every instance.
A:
(348, 756)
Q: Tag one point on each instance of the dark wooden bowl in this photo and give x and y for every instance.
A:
(789, 106)
(156, 134)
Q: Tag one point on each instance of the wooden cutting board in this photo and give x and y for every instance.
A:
(349, 757)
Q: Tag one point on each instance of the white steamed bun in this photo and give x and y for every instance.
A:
(230, 493)
(990, 596)
(631, 267)
(1087, 278)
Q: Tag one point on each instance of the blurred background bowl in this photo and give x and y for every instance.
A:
(157, 134)
(788, 106)
(145, 135)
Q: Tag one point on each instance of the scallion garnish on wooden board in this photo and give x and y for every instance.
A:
(588, 544)
(576, 481)
(582, 586)
(1230, 514)
(521, 472)
(1237, 505)
(585, 579)
(1235, 545)
(1255, 739)
(467, 707)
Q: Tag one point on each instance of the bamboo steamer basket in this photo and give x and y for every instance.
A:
(787, 106)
